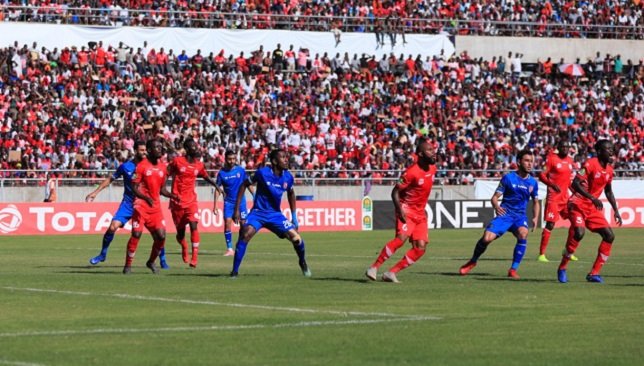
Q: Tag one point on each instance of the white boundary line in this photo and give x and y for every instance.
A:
(207, 328)
(18, 363)
(216, 303)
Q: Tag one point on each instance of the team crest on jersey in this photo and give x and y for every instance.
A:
(148, 173)
(285, 185)
(597, 175)
(421, 181)
(558, 165)
(402, 180)
(183, 169)
(238, 175)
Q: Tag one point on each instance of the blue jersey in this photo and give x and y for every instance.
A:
(126, 170)
(231, 180)
(517, 192)
(270, 188)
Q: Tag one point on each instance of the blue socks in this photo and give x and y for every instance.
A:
(519, 251)
(229, 239)
(107, 240)
(479, 249)
(162, 254)
(240, 251)
(301, 251)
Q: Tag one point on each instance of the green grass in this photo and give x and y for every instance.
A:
(55, 309)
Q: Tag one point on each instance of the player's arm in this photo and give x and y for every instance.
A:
(543, 177)
(166, 193)
(240, 196)
(608, 190)
(104, 184)
(395, 198)
(500, 211)
(290, 194)
(578, 188)
(536, 210)
(137, 193)
(171, 172)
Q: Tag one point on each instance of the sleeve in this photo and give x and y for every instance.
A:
(202, 171)
(218, 179)
(290, 183)
(405, 180)
(543, 176)
(502, 184)
(585, 171)
(119, 172)
(535, 191)
(138, 174)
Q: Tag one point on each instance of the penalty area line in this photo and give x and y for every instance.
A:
(18, 363)
(304, 324)
(223, 304)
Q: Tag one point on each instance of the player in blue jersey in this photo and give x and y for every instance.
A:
(230, 178)
(272, 181)
(517, 188)
(126, 208)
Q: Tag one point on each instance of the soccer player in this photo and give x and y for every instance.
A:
(557, 175)
(409, 197)
(126, 208)
(585, 210)
(231, 178)
(517, 188)
(147, 185)
(184, 209)
(272, 181)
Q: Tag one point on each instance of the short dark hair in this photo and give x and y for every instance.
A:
(523, 153)
(420, 143)
(149, 143)
(139, 143)
(187, 141)
(229, 152)
(600, 143)
(273, 155)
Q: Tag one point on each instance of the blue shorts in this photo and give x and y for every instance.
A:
(229, 210)
(273, 221)
(502, 224)
(124, 212)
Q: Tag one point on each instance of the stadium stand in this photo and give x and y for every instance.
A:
(556, 18)
(83, 107)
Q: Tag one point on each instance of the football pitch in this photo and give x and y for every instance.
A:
(56, 309)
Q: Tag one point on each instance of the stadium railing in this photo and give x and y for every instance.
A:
(175, 18)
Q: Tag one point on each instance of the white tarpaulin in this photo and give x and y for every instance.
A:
(214, 40)
(626, 189)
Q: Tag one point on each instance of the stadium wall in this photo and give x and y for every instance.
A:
(534, 49)
(214, 40)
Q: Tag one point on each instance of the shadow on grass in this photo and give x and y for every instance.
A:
(523, 279)
(340, 279)
(195, 274)
(453, 274)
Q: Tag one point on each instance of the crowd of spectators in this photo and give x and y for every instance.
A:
(345, 116)
(551, 18)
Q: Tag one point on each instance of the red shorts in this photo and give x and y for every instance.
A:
(415, 227)
(150, 217)
(555, 210)
(582, 214)
(182, 216)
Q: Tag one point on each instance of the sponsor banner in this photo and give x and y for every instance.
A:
(478, 213)
(367, 214)
(622, 189)
(95, 218)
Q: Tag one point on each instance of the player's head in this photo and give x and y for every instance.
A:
(230, 159)
(605, 151)
(140, 150)
(191, 147)
(426, 153)
(154, 148)
(525, 160)
(563, 148)
(279, 159)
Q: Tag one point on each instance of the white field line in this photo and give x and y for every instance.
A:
(216, 303)
(18, 363)
(307, 324)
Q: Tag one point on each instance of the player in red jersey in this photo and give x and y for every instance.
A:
(585, 209)
(557, 175)
(148, 185)
(184, 209)
(410, 198)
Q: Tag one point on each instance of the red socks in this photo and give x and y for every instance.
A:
(545, 239)
(132, 244)
(194, 238)
(412, 255)
(389, 249)
(602, 256)
(571, 246)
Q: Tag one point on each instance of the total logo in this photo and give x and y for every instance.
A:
(10, 219)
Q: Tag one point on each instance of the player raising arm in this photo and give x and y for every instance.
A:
(517, 188)
(272, 181)
(126, 208)
(585, 210)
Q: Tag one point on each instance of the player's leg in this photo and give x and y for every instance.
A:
(158, 235)
(194, 241)
(545, 240)
(180, 225)
(575, 234)
(419, 239)
(402, 233)
(521, 233)
(246, 233)
(496, 228)
(598, 224)
(107, 240)
(300, 249)
(132, 244)
(228, 225)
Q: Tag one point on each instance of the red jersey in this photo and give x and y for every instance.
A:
(594, 179)
(558, 171)
(185, 177)
(414, 187)
(151, 178)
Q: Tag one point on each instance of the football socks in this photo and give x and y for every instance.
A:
(386, 252)
(519, 252)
